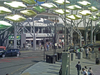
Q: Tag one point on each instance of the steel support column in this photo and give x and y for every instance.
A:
(15, 35)
(34, 36)
(91, 33)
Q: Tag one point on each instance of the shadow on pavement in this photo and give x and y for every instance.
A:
(52, 72)
(52, 69)
(88, 62)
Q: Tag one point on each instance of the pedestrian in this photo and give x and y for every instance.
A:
(86, 69)
(84, 72)
(90, 49)
(77, 52)
(82, 49)
(93, 49)
(47, 46)
(78, 66)
(87, 52)
(90, 72)
(40, 45)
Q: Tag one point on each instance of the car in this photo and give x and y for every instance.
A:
(13, 52)
(2, 53)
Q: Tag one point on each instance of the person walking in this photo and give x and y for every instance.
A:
(93, 49)
(86, 69)
(82, 49)
(78, 66)
(87, 52)
(90, 72)
(47, 46)
(84, 72)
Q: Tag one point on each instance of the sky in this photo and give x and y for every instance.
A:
(39, 2)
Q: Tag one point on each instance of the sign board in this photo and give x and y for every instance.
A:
(11, 37)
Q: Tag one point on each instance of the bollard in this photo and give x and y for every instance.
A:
(97, 61)
(79, 55)
(65, 63)
(50, 58)
(72, 56)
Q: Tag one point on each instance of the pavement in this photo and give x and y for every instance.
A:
(43, 68)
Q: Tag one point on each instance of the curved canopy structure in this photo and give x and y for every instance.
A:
(29, 1)
(74, 7)
(94, 18)
(85, 12)
(4, 10)
(98, 23)
(4, 24)
(15, 4)
(61, 11)
(39, 9)
(29, 13)
(61, 2)
(74, 17)
(84, 3)
(93, 9)
(15, 18)
(98, 14)
(49, 5)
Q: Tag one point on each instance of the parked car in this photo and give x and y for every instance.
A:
(13, 52)
(2, 53)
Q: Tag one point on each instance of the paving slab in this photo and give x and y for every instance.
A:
(43, 68)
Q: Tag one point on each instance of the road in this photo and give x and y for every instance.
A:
(15, 65)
